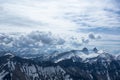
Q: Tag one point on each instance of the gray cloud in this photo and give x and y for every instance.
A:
(70, 15)
(93, 36)
(32, 43)
(86, 41)
(11, 19)
(39, 42)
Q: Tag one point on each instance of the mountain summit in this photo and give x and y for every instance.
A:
(85, 50)
(95, 50)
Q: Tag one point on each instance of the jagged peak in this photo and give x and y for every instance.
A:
(85, 50)
(95, 50)
(9, 54)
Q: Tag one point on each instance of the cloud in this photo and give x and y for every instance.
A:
(30, 43)
(86, 41)
(93, 36)
(14, 20)
(37, 42)
(61, 15)
(102, 30)
(76, 16)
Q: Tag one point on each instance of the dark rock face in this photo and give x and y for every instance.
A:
(85, 50)
(95, 50)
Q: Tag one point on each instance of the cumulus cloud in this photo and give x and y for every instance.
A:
(86, 41)
(34, 42)
(93, 36)
(37, 42)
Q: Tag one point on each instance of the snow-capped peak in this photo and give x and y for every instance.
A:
(101, 51)
(9, 54)
(95, 54)
(117, 57)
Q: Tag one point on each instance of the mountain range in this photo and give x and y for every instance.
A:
(71, 65)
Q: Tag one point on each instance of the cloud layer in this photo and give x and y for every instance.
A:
(60, 15)
(40, 42)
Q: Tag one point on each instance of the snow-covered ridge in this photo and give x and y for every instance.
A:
(83, 55)
(76, 55)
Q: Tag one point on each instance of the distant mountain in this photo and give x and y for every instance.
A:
(95, 50)
(85, 50)
(76, 55)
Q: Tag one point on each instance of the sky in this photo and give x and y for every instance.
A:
(60, 24)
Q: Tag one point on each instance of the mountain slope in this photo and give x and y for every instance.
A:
(16, 68)
(97, 70)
